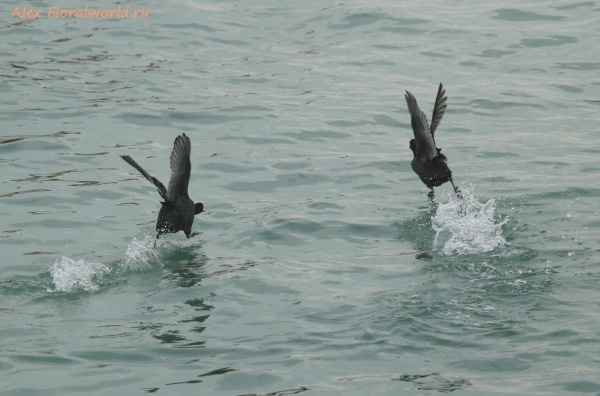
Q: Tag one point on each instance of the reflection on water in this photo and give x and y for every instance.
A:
(418, 231)
(184, 266)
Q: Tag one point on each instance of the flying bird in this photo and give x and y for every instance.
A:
(428, 162)
(177, 210)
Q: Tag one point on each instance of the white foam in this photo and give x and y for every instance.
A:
(140, 253)
(69, 275)
(466, 226)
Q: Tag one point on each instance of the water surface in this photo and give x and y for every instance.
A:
(322, 267)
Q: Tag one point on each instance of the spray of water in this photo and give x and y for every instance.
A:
(466, 226)
(140, 253)
(70, 275)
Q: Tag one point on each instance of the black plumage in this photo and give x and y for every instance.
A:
(177, 210)
(428, 162)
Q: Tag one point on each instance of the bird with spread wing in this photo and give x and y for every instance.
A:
(428, 162)
(178, 210)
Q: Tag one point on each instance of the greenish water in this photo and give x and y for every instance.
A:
(322, 267)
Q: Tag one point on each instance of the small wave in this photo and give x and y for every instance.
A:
(70, 275)
(140, 253)
(467, 226)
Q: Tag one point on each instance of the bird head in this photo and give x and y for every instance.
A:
(413, 146)
(199, 208)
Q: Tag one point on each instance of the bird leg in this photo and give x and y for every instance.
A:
(156, 240)
(456, 190)
(192, 234)
(430, 194)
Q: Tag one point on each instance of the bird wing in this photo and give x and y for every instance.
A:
(438, 110)
(418, 120)
(159, 186)
(180, 168)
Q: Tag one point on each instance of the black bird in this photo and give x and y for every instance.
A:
(177, 210)
(428, 162)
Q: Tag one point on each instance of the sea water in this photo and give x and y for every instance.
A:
(323, 267)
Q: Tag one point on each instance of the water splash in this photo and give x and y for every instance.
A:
(467, 226)
(70, 275)
(140, 253)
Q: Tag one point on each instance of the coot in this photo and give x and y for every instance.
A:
(177, 210)
(428, 162)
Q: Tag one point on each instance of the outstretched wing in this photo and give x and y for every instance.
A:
(180, 168)
(438, 110)
(418, 120)
(159, 186)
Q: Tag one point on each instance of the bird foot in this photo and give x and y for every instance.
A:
(431, 194)
(193, 234)
(457, 191)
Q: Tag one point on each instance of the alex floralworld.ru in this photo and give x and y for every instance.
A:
(58, 12)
